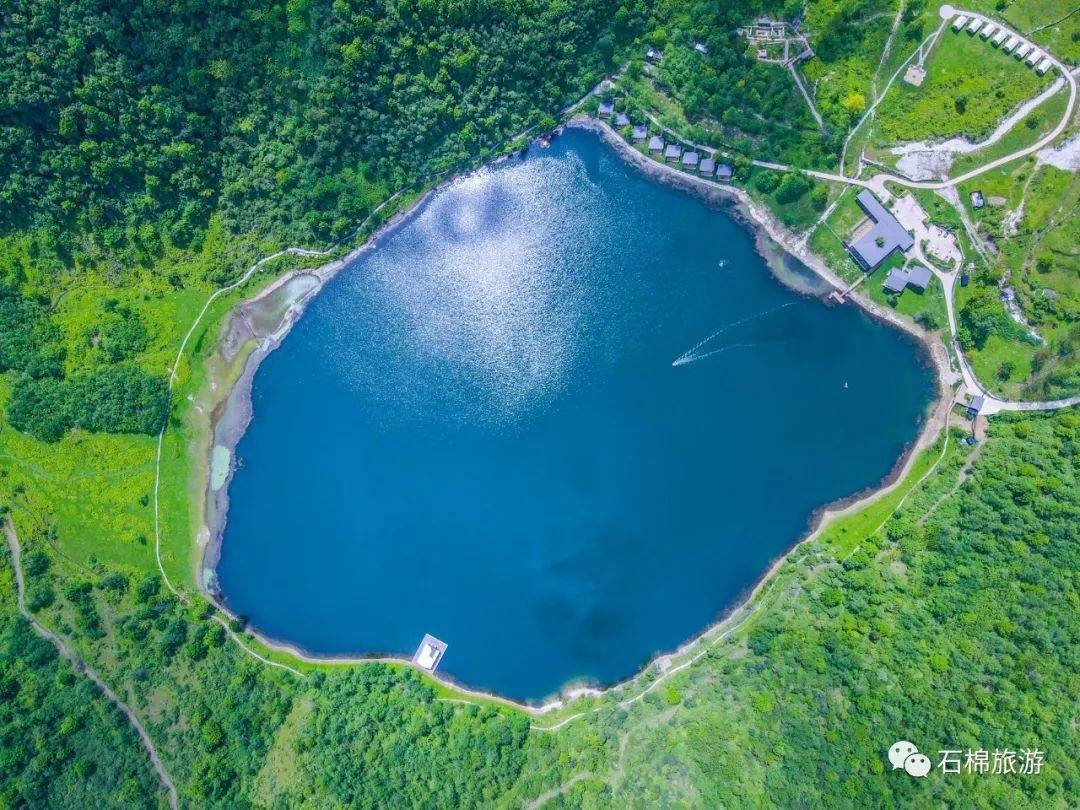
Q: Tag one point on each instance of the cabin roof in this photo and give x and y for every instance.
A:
(896, 280)
(919, 277)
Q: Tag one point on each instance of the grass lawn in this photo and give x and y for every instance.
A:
(988, 360)
(927, 307)
(844, 533)
(1028, 131)
(89, 492)
(838, 85)
(828, 238)
(970, 86)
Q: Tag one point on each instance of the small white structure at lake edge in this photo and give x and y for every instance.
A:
(429, 653)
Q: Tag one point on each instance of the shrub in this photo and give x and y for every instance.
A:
(113, 399)
(792, 187)
(766, 182)
(39, 596)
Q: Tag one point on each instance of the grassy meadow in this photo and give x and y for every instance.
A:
(969, 87)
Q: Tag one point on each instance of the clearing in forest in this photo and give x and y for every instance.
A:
(970, 86)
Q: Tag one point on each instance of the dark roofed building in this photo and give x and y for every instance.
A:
(641, 132)
(896, 280)
(724, 171)
(707, 166)
(919, 278)
(886, 236)
(622, 120)
(673, 151)
(656, 144)
(976, 406)
(690, 159)
(653, 55)
(606, 109)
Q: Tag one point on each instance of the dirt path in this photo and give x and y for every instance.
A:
(68, 654)
(962, 476)
(546, 797)
(887, 49)
(806, 95)
(926, 43)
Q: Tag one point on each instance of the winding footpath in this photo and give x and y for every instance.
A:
(79, 666)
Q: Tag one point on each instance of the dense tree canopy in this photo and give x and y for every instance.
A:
(125, 125)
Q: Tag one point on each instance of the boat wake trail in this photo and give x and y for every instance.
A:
(692, 354)
(684, 360)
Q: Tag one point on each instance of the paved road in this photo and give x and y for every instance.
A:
(992, 403)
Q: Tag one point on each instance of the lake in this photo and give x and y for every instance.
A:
(563, 418)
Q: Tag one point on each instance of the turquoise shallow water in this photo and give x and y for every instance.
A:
(562, 419)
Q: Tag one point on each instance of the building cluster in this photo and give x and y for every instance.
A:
(767, 32)
(655, 56)
(880, 236)
(1001, 37)
(704, 165)
(899, 278)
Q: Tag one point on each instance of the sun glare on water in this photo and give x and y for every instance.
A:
(477, 294)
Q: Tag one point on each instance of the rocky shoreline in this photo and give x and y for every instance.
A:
(259, 324)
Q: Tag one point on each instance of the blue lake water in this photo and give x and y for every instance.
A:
(562, 419)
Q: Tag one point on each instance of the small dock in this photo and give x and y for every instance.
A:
(430, 653)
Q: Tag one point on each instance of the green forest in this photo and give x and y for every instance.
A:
(954, 624)
(150, 152)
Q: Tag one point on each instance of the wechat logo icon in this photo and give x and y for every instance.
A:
(905, 755)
